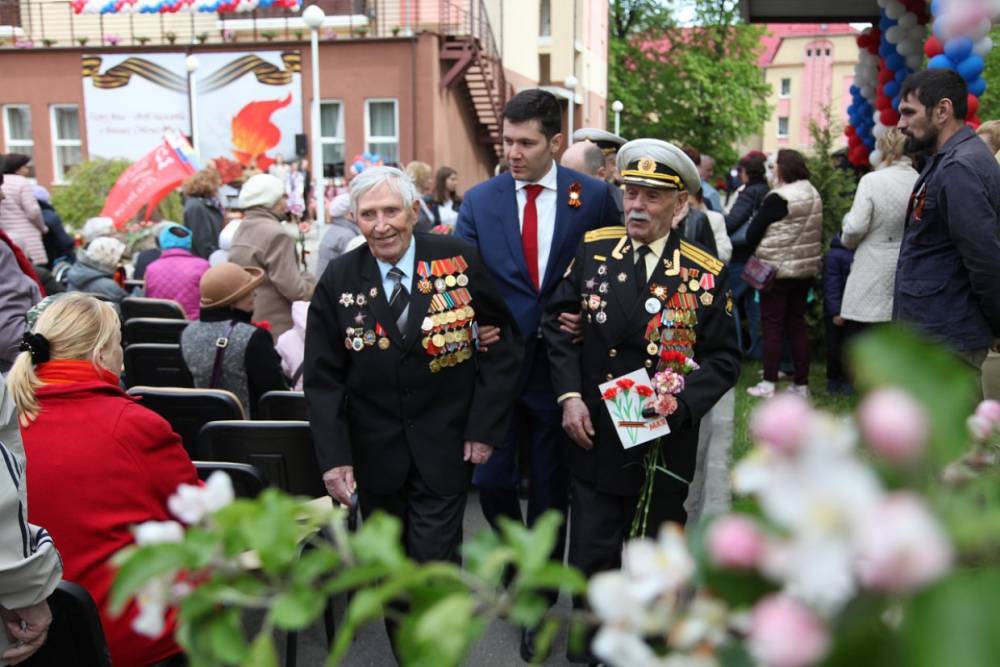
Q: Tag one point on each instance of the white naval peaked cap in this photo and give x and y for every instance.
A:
(653, 163)
(608, 142)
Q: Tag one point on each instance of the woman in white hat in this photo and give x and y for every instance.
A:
(261, 242)
(94, 270)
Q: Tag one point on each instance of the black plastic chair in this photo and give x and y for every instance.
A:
(287, 405)
(156, 365)
(140, 306)
(132, 284)
(247, 480)
(281, 450)
(188, 410)
(153, 330)
(75, 636)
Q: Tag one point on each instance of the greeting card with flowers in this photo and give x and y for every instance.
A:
(625, 398)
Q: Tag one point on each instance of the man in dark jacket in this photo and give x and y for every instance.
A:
(948, 275)
(836, 268)
(58, 244)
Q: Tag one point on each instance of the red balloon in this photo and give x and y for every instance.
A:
(973, 103)
(933, 47)
(889, 117)
(974, 122)
(885, 75)
(882, 102)
(850, 130)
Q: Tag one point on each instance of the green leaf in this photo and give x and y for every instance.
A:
(533, 547)
(954, 622)
(554, 576)
(297, 608)
(273, 531)
(144, 564)
(226, 637)
(528, 609)
(862, 637)
(365, 606)
(380, 541)
(355, 577)
(262, 652)
(314, 563)
(440, 635)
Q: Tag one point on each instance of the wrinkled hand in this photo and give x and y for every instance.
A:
(838, 320)
(27, 628)
(488, 335)
(576, 422)
(340, 484)
(477, 452)
(572, 323)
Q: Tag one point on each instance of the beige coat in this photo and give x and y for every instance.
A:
(21, 217)
(794, 244)
(261, 242)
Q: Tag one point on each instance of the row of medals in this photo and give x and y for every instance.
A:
(448, 330)
(358, 339)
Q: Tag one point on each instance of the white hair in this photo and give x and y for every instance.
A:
(371, 178)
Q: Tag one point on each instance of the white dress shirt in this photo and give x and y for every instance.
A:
(545, 206)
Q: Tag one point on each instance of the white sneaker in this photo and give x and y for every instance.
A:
(800, 390)
(762, 389)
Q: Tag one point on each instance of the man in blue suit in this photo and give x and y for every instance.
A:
(527, 223)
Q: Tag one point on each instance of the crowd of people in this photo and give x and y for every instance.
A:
(442, 338)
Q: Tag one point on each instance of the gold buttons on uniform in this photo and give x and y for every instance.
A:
(612, 353)
(610, 376)
(649, 363)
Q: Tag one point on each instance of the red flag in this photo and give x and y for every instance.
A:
(148, 180)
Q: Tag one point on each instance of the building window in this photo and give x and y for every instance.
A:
(67, 150)
(545, 18)
(331, 137)
(782, 127)
(382, 129)
(17, 135)
(786, 87)
(809, 53)
(827, 53)
(544, 69)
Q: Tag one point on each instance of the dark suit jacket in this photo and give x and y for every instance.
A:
(488, 217)
(618, 347)
(381, 409)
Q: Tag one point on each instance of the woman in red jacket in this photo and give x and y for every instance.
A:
(99, 463)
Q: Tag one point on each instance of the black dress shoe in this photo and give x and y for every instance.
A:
(528, 654)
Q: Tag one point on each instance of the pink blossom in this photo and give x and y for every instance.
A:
(900, 545)
(979, 427)
(786, 633)
(894, 424)
(736, 542)
(782, 422)
(989, 410)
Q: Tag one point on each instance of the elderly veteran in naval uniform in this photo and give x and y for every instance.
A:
(644, 292)
(401, 403)
(610, 144)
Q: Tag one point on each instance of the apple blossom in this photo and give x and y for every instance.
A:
(157, 532)
(735, 541)
(980, 428)
(901, 546)
(151, 599)
(192, 503)
(782, 422)
(894, 424)
(990, 411)
(660, 567)
(786, 633)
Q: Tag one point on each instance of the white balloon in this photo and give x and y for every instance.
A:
(879, 130)
(905, 47)
(868, 91)
(981, 29)
(983, 46)
(875, 157)
(915, 61)
(894, 10)
(894, 34)
(907, 20)
(917, 33)
(875, 116)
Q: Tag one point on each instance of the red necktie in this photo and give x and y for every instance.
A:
(529, 232)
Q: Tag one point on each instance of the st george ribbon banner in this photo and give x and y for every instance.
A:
(150, 179)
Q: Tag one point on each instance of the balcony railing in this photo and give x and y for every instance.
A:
(53, 24)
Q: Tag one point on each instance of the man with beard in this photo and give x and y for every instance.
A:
(948, 274)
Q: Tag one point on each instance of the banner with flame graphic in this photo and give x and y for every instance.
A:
(248, 105)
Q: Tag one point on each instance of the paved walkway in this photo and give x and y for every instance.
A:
(499, 646)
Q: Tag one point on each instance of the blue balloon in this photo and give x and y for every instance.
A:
(891, 89)
(902, 74)
(971, 67)
(886, 49)
(940, 61)
(978, 87)
(958, 48)
(939, 28)
(855, 91)
(895, 102)
(895, 62)
(935, 7)
(870, 142)
(885, 23)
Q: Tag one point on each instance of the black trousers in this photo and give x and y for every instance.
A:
(432, 524)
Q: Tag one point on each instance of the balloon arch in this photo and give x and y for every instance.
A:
(895, 48)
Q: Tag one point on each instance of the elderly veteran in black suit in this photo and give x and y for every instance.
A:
(643, 290)
(610, 144)
(400, 400)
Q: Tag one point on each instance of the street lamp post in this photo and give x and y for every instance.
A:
(313, 18)
(617, 107)
(191, 65)
(570, 84)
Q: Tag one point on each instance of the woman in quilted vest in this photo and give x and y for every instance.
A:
(247, 364)
(787, 234)
(177, 273)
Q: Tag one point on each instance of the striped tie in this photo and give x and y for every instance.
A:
(399, 301)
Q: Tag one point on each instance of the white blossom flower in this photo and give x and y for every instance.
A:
(158, 532)
(660, 567)
(706, 621)
(192, 503)
(152, 601)
(614, 601)
(819, 572)
(620, 648)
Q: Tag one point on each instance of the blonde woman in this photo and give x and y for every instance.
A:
(99, 462)
(874, 229)
(423, 178)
